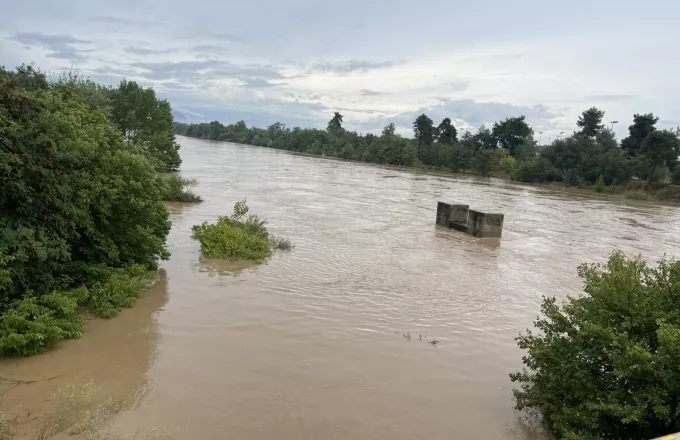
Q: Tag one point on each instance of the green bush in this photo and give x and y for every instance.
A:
(606, 365)
(119, 291)
(239, 237)
(32, 325)
(537, 170)
(173, 189)
(509, 165)
(599, 185)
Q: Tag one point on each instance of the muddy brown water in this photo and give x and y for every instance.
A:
(311, 344)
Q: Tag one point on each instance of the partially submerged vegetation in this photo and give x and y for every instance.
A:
(509, 148)
(241, 236)
(80, 413)
(174, 188)
(83, 223)
(605, 365)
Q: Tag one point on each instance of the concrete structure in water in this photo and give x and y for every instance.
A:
(463, 219)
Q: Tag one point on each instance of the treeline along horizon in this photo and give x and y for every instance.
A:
(590, 154)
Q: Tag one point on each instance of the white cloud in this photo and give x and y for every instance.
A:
(377, 62)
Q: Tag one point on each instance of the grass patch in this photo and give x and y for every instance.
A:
(241, 236)
(637, 194)
(78, 414)
(174, 189)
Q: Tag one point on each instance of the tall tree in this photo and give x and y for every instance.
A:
(423, 130)
(643, 124)
(511, 132)
(147, 122)
(335, 124)
(447, 133)
(590, 122)
(661, 147)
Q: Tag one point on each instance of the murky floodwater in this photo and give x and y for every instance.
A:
(311, 345)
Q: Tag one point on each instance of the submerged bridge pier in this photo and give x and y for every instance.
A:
(462, 218)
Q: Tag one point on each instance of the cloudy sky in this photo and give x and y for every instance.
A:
(375, 61)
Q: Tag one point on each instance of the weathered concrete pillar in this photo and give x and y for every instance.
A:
(459, 217)
(443, 214)
(485, 225)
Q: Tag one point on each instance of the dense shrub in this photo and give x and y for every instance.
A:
(536, 170)
(606, 365)
(174, 189)
(119, 291)
(32, 325)
(238, 237)
(81, 207)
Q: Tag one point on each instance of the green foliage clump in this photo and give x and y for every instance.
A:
(81, 203)
(606, 365)
(174, 189)
(146, 121)
(32, 325)
(119, 291)
(238, 237)
(509, 165)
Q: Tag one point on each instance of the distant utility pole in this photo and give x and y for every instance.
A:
(560, 136)
(612, 127)
(540, 137)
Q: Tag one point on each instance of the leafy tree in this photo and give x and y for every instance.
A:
(146, 121)
(643, 125)
(511, 133)
(74, 194)
(423, 129)
(446, 133)
(335, 124)
(28, 77)
(604, 365)
(660, 147)
(97, 96)
(389, 130)
(590, 122)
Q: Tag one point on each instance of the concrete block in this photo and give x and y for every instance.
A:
(459, 213)
(462, 218)
(485, 225)
(443, 214)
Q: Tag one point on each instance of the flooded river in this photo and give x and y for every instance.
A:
(312, 344)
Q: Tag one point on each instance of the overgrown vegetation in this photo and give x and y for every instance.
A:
(508, 148)
(606, 365)
(174, 189)
(241, 236)
(80, 415)
(82, 220)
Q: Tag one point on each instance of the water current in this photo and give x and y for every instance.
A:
(315, 343)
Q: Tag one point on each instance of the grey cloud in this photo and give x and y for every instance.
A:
(144, 51)
(258, 83)
(209, 48)
(367, 92)
(60, 46)
(127, 22)
(473, 113)
(206, 70)
(608, 98)
(350, 66)
(229, 37)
